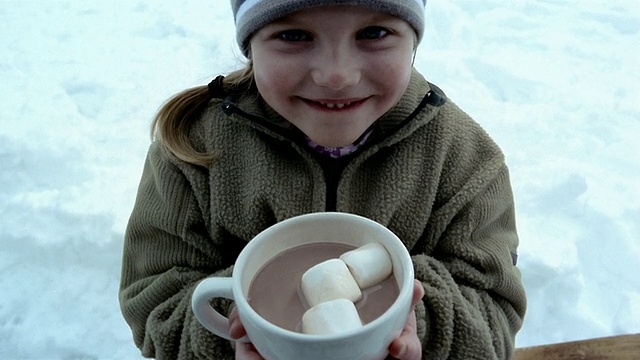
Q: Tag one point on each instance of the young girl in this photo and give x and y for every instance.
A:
(328, 115)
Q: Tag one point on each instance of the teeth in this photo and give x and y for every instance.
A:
(335, 105)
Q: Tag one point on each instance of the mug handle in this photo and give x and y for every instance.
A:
(211, 319)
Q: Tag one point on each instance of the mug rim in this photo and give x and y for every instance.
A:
(398, 303)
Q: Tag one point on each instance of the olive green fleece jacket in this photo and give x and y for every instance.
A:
(429, 173)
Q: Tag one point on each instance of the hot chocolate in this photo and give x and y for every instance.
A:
(275, 291)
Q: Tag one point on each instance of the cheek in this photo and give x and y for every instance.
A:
(273, 78)
(393, 74)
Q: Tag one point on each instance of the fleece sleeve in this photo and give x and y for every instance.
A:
(474, 302)
(167, 251)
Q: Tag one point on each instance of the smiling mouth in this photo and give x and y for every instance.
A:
(335, 105)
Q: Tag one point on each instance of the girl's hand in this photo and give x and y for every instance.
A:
(244, 351)
(407, 346)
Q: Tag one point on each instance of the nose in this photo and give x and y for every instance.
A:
(336, 67)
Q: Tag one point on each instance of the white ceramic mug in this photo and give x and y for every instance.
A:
(368, 342)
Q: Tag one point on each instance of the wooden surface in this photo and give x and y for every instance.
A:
(623, 347)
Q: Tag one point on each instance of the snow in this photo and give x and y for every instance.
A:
(554, 82)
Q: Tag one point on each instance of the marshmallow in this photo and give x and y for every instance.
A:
(329, 280)
(331, 317)
(369, 264)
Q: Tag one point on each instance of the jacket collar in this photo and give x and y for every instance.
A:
(420, 94)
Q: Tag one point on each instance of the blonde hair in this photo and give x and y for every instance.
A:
(173, 120)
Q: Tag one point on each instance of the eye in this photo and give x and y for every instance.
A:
(293, 35)
(372, 33)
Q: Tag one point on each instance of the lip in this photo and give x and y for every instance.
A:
(335, 104)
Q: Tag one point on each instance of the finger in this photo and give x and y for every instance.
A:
(405, 350)
(236, 329)
(246, 351)
(418, 292)
(407, 346)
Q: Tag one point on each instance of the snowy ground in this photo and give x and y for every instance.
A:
(555, 82)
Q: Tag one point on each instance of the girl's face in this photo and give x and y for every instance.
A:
(332, 71)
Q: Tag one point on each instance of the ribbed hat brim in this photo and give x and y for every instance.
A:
(251, 15)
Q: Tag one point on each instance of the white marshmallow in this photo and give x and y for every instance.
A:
(329, 280)
(331, 317)
(369, 264)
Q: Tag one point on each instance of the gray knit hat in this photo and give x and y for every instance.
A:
(251, 15)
